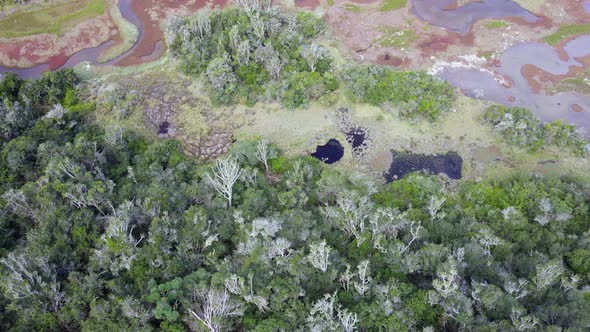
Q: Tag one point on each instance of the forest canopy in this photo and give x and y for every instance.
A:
(107, 230)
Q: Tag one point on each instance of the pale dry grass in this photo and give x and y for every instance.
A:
(533, 6)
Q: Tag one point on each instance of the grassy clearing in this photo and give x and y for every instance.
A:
(351, 7)
(393, 37)
(566, 31)
(389, 5)
(50, 19)
(496, 24)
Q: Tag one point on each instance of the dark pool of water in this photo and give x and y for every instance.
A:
(329, 153)
(164, 127)
(460, 19)
(356, 137)
(404, 163)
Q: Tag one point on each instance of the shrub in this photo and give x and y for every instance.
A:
(416, 94)
(518, 126)
(247, 54)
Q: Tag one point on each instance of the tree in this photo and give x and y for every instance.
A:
(364, 278)
(212, 307)
(201, 23)
(523, 322)
(312, 54)
(263, 152)
(351, 213)
(243, 52)
(319, 255)
(221, 75)
(225, 174)
(31, 281)
(548, 273)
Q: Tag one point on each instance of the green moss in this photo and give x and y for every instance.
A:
(330, 3)
(352, 7)
(49, 19)
(566, 31)
(495, 24)
(394, 37)
(388, 5)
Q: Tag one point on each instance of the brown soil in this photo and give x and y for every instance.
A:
(390, 60)
(307, 4)
(365, 2)
(539, 79)
(577, 108)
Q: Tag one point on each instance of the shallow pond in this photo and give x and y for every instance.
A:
(404, 163)
(329, 153)
(445, 13)
(547, 107)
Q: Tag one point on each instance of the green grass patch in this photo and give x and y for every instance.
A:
(351, 7)
(496, 24)
(330, 3)
(566, 31)
(486, 55)
(50, 19)
(394, 37)
(388, 5)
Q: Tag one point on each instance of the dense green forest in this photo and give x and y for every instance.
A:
(107, 230)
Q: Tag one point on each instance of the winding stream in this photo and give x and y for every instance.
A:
(90, 54)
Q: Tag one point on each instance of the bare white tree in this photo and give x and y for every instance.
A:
(211, 307)
(312, 54)
(225, 174)
(434, 206)
(548, 273)
(243, 52)
(523, 322)
(351, 214)
(321, 316)
(274, 65)
(319, 254)
(447, 279)
(347, 319)
(234, 37)
(518, 288)
(253, 6)
(262, 152)
(487, 239)
(364, 279)
(548, 213)
(32, 278)
(345, 278)
(258, 26)
(415, 228)
(201, 23)
(18, 203)
(570, 282)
